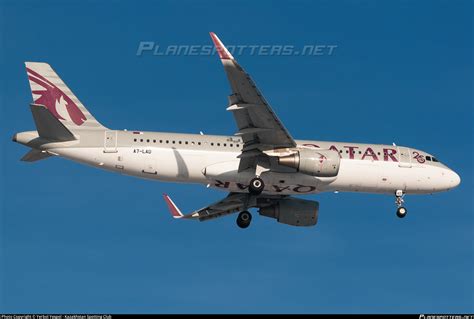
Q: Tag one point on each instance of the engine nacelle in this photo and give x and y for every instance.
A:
(293, 211)
(320, 163)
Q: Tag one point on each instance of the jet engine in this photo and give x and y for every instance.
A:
(320, 163)
(292, 211)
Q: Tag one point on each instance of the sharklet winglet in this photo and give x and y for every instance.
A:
(174, 210)
(224, 54)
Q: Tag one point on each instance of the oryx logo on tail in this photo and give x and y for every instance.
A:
(55, 99)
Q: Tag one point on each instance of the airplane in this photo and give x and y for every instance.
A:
(260, 166)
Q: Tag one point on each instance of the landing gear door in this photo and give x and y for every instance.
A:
(110, 142)
(404, 157)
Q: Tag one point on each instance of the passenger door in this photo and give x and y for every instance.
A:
(110, 142)
(404, 157)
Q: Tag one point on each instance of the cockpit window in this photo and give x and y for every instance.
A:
(434, 159)
(428, 158)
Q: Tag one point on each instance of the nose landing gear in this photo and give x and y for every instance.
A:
(244, 219)
(401, 211)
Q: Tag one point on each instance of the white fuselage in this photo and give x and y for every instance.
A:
(213, 160)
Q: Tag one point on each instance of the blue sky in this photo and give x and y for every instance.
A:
(76, 239)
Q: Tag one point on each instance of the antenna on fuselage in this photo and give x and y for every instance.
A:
(394, 144)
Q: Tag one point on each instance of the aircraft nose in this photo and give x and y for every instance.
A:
(450, 179)
(454, 179)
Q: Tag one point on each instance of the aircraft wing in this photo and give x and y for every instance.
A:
(258, 125)
(232, 203)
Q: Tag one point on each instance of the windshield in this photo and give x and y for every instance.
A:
(431, 158)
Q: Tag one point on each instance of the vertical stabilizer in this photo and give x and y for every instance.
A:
(50, 91)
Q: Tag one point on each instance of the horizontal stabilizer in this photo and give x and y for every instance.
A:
(35, 155)
(48, 126)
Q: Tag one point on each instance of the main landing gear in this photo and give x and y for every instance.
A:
(256, 186)
(401, 211)
(244, 219)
